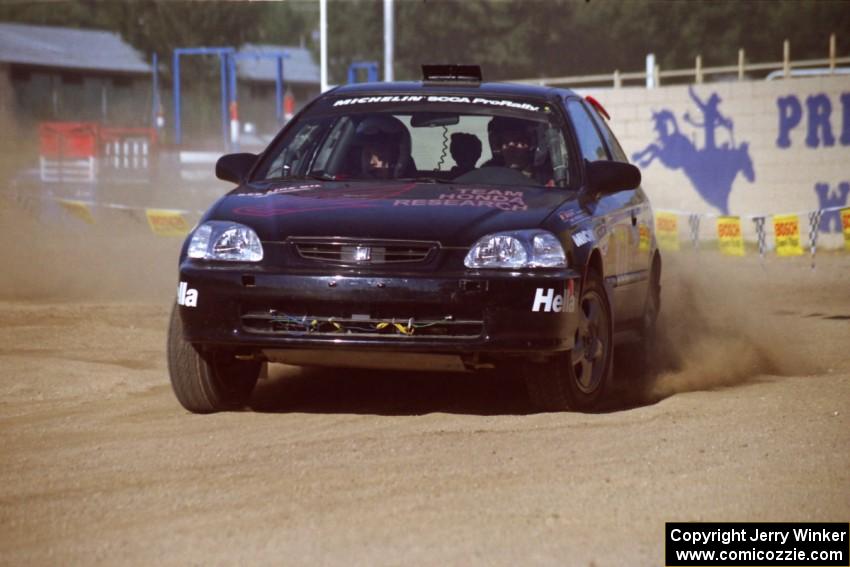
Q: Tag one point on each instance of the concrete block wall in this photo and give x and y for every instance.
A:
(740, 148)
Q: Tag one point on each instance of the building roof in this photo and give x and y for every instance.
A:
(298, 64)
(68, 48)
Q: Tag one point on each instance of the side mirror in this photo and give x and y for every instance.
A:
(234, 167)
(607, 177)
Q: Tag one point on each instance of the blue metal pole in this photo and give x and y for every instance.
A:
(278, 89)
(233, 96)
(176, 69)
(155, 87)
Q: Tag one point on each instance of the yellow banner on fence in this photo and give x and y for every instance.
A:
(786, 229)
(79, 209)
(845, 224)
(164, 222)
(729, 236)
(667, 230)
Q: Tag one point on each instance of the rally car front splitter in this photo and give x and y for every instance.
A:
(488, 313)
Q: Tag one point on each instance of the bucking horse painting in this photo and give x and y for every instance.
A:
(711, 169)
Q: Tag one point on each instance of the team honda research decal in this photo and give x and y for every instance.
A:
(438, 99)
(185, 296)
(469, 197)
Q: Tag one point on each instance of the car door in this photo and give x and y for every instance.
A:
(638, 204)
(616, 232)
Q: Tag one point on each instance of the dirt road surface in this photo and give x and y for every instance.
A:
(747, 421)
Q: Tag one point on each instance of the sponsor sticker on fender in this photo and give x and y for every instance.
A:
(185, 296)
(786, 229)
(729, 236)
(645, 238)
(547, 301)
(582, 237)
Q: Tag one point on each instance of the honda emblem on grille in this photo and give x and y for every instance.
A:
(362, 254)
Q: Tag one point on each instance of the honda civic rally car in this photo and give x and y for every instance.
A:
(445, 225)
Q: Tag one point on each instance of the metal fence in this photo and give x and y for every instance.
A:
(654, 76)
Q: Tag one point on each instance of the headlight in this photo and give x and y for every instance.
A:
(517, 249)
(227, 241)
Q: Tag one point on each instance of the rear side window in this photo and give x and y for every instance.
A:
(592, 148)
(610, 139)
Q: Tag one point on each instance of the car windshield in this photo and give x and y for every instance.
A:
(477, 141)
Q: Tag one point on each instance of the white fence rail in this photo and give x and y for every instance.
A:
(654, 76)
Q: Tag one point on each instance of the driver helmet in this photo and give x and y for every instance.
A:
(384, 144)
(520, 134)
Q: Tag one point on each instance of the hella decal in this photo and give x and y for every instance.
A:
(185, 296)
(547, 301)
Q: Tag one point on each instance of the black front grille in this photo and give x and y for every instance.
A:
(351, 252)
(273, 322)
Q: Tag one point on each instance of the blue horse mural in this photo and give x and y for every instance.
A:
(711, 169)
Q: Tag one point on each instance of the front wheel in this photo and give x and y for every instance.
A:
(209, 380)
(578, 379)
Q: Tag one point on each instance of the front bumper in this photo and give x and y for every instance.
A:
(491, 314)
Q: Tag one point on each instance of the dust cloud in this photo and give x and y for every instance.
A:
(721, 324)
(112, 260)
(49, 253)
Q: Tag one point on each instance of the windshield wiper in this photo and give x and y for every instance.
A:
(319, 176)
(425, 179)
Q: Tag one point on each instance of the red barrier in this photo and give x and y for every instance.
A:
(80, 151)
(108, 135)
(69, 140)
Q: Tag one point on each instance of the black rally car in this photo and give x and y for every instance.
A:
(448, 225)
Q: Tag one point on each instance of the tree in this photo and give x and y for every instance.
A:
(510, 39)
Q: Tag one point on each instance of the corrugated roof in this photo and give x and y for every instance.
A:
(298, 64)
(68, 48)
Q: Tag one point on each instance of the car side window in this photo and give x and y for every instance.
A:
(293, 160)
(610, 139)
(592, 148)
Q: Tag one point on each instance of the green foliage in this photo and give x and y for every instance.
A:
(537, 38)
(510, 39)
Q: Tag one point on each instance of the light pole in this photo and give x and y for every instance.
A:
(389, 32)
(323, 43)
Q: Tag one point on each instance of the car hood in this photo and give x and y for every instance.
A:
(451, 214)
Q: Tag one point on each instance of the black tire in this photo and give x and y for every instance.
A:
(643, 363)
(578, 380)
(207, 381)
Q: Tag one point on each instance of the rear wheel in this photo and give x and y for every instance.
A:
(578, 379)
(208, 380)
(644, 361)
